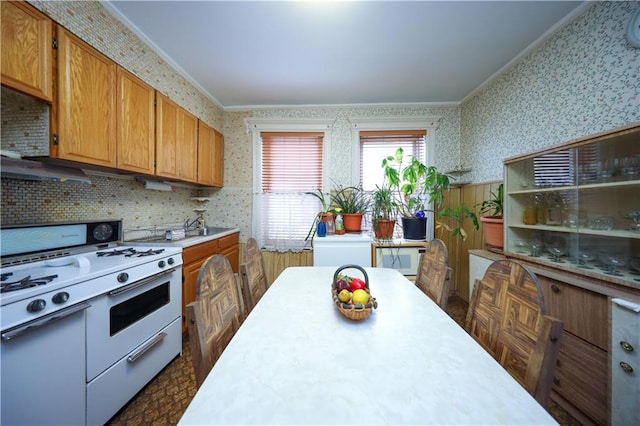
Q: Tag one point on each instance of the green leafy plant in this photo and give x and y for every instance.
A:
(383, 204)
(351, 199)
(414, 184)
(493, 206)
(457, 216)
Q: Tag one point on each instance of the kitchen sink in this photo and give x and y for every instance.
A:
(159, 237)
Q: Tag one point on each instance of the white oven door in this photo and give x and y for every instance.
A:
(120, 321)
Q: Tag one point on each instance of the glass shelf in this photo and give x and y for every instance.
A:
(560, 201)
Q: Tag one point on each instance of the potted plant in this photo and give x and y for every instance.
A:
(353, 203)
(416, 187)
(322, 215)
(492, 222)
(384, 210)
(457, 216)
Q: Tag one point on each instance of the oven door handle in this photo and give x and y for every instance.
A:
(143, 349)
(140, 283)
(42, 321)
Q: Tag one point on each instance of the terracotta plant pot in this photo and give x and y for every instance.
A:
(493, 228)
(414, 228)
(383, 229)
(352, 222)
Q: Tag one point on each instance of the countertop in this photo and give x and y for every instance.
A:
(214, 234)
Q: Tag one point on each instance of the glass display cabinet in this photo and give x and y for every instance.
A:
(576, 207)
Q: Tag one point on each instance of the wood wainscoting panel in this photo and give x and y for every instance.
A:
(469, 196)
(276, 262)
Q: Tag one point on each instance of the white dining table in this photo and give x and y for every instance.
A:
(297, 360)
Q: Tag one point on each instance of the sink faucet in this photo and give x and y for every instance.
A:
(197, 223)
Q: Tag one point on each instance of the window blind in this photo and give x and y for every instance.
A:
(554, 169)
(376, 145)
(291, 165)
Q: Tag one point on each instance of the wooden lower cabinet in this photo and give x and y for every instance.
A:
(582, 371)
(581, 380)
(194, 257)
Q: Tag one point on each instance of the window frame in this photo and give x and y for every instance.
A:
(428, 123)
(258, 125)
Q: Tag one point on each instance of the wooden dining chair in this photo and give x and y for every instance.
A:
(507, 318)
(434, 273)
(215, 316)
(253, 276)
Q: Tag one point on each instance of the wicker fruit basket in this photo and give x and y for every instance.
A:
(353, 311)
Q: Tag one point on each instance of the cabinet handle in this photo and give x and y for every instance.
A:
(626, 346)
(556, 380)
(626, 367)
(555, 288)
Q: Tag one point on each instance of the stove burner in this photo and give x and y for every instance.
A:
(129, 252)
(25, 282)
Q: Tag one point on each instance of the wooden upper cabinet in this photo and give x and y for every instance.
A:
(210, 156)
(176, 141)
(26, 48)
(136, 124)
(86, 103)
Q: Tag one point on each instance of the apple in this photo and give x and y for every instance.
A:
(344, 296)
(357, 284)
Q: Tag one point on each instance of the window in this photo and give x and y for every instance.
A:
(291, 166)
(376, 145)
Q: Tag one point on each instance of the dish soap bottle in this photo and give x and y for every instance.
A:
(339, 225)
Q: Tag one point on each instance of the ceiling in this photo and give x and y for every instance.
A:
(291, 53)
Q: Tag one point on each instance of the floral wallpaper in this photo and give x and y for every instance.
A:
(584, 80)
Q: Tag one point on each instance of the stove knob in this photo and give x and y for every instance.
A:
(60, 298)
(123, 277)
(36, 305)
(161, 264)
(170, 261)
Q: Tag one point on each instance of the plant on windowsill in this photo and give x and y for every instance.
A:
(384, 210)
(415, 187)
(492, 221)
(354, 203)
(321, 215)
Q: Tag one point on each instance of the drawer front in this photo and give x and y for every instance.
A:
(625, 365)
(581, 377)
(227, 241)
(583, 313)
(199, 251)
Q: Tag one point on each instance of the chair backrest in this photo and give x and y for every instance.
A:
(434, 273)
(215, 316)
(507, 318)
(252, 272)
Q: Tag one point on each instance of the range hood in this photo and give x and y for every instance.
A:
(16, 168)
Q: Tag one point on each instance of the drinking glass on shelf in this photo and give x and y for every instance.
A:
(614, 261)
(631, 166)
(536, 248)
(585, 256)
(605, 170)
(556, 250)
(521, 246)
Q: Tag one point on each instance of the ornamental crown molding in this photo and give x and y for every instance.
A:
(395, 123)
(288, 124)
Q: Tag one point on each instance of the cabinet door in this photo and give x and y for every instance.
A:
(582, 312)
(136, 119)
(210, 156)
(218, 160)
(176, 141)
(189, 282)
(187, 146)
(86, 103)
(581, 377)
(26, 48)
(206, 146)
(166, 137)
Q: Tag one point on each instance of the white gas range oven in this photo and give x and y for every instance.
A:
(85, 321)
